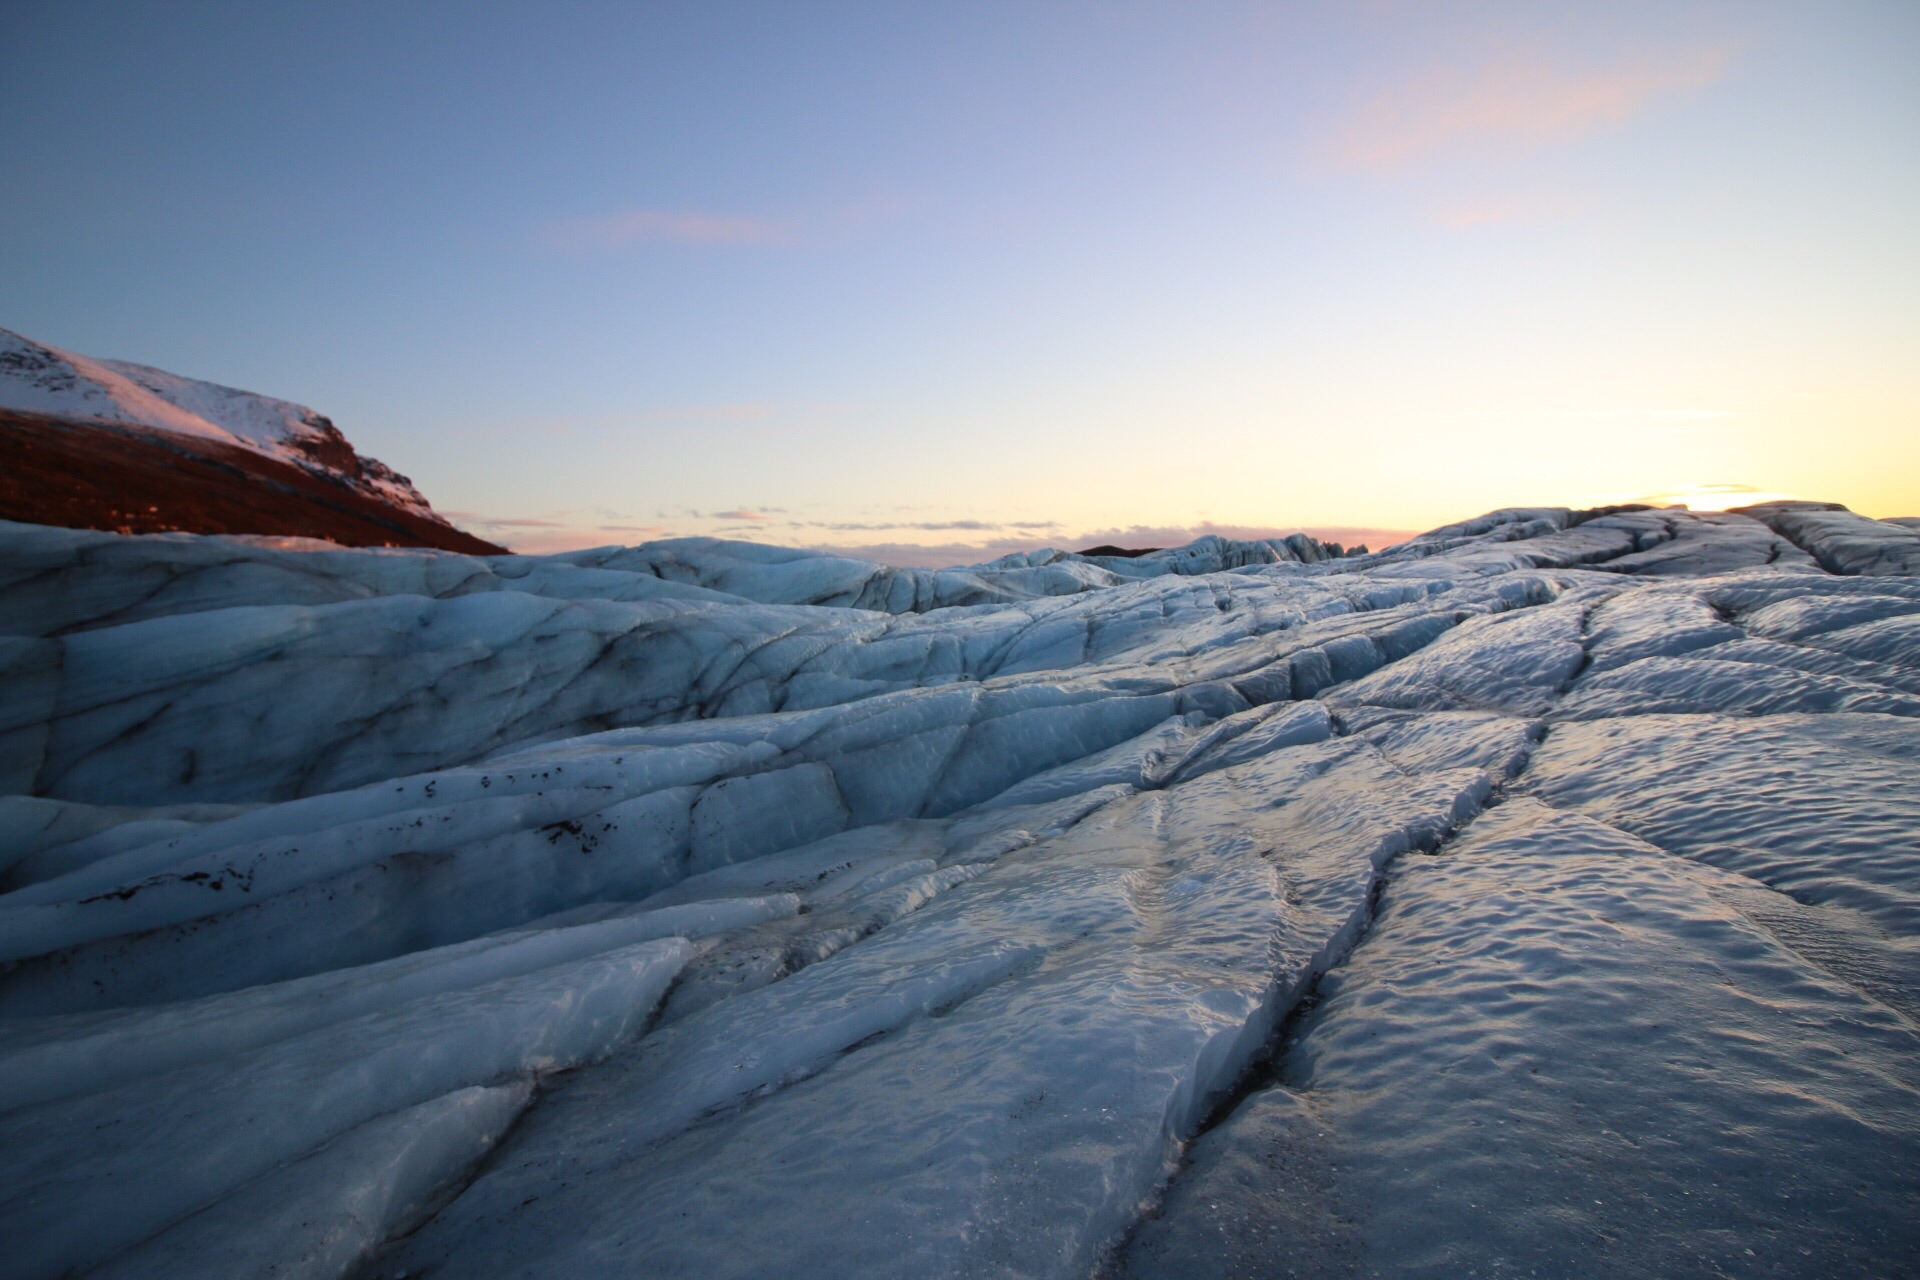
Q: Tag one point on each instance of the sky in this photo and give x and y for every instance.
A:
(930, 283)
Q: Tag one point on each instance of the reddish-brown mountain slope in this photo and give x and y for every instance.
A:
(96, 475)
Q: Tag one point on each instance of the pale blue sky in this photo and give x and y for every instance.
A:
(916, 274)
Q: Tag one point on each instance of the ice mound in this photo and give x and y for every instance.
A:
(1542, 894)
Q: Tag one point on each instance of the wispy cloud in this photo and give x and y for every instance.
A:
(558, 531)
(1699, 497)
(942, 555)
(1514, 101)
(927, 526)
(1141, 535)
(503, 522)
(723, 411)
(933, 556)
(821, 225)
(667, 226)
(1471, 215)
(566, 530)
(750, 419)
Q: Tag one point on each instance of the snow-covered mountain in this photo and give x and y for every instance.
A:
(222, 426)
(1540, 896)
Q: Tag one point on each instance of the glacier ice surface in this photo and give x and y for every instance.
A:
(1541, 893)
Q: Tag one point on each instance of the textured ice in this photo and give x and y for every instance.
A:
(1825, 809)
(321, 1215)
(1154, 933)
(1562, 1052)
(83, 1053)
(88, 1175)
(1844, 542)
(709, 909)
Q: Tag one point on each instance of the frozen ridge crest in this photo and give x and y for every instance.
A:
(1541, 895)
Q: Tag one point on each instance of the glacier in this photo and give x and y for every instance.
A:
(1538, 896)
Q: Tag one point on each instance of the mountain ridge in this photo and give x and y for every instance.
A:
(124, 447)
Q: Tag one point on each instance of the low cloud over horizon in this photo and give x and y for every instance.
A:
(558, 532)
(948, 554)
